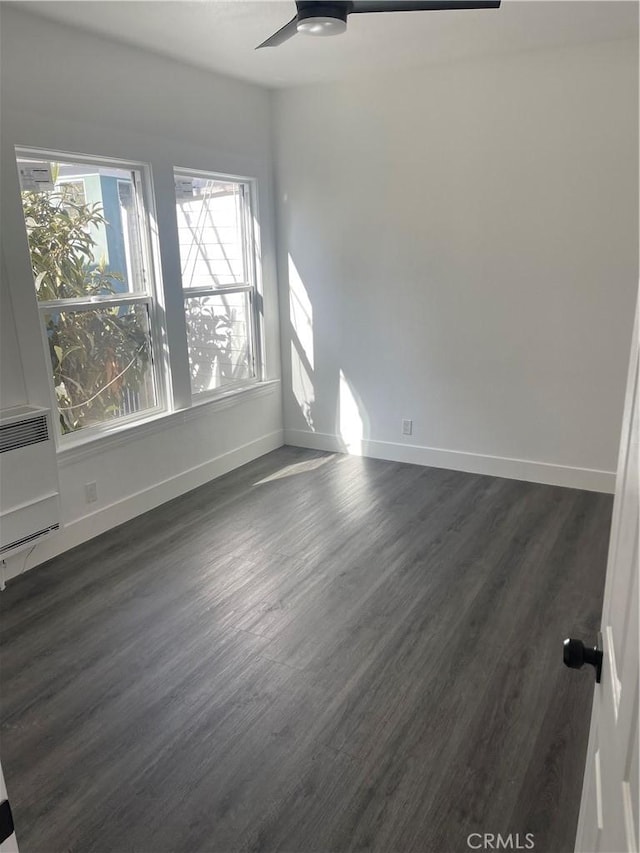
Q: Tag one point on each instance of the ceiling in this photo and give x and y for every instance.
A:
(219, 35)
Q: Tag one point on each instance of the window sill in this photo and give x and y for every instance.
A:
(84, 448)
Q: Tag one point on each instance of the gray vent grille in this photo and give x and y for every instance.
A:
(22, 433)
(29, 538)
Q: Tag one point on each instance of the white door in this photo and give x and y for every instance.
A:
(608, 820)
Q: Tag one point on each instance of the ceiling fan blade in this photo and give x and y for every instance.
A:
(420, 5)
(282, 35)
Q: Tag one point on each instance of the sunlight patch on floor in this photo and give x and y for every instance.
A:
(295, 468)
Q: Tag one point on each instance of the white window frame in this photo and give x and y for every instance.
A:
(250, 286)
(150, 297)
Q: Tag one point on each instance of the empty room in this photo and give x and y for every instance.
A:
(319, 426)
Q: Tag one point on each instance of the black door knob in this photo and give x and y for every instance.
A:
(575, 654)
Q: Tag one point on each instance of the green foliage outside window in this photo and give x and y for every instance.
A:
(96, 354)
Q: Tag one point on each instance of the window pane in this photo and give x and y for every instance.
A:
(211, 232)
(219, 337)
(101, 363)
(72, 193)
(83, 229)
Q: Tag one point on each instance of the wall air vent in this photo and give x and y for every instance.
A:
(23, 433)
(29, 506)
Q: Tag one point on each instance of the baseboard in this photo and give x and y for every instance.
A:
(474, 463)
(93, 524)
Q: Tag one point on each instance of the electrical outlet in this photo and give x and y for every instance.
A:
(91, 492)
(407, 426)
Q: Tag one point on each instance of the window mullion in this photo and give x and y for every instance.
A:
(94, 302)
(175, 351)
(215, 291)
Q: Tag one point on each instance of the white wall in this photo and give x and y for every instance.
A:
(460, 244)
(69, 91)
(13, 391)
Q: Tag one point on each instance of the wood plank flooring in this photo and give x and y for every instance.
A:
(313, 653)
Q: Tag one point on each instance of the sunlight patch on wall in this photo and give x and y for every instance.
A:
(301, 316)
(301, 312)
(351, 428)
(302, 386)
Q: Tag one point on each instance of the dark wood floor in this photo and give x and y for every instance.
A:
(312, 653)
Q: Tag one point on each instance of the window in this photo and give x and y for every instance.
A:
(215, 232)
(110, 352)
(88, 242)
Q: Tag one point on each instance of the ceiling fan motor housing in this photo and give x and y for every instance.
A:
(311, 9)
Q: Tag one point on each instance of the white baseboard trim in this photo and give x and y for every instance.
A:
(93, 524)
(589, 479)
